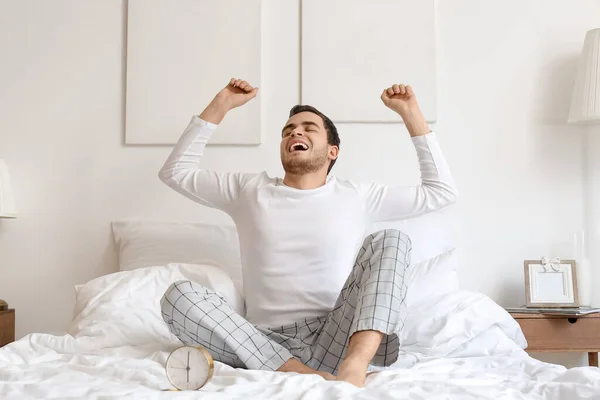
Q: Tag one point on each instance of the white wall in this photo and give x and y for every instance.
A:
(592, 204)
(506, 72)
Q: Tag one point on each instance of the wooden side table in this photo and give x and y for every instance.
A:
(7, 327)
(562, 333)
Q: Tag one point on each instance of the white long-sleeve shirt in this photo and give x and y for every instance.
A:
(299, 246)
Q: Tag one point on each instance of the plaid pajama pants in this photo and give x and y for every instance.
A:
(371, 299)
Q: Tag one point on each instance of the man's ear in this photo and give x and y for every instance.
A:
(333, 152)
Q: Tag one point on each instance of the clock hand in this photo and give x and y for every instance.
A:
(188, 367)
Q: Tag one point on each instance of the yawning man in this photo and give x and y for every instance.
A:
(321, 298)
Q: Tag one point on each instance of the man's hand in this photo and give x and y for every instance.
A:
(237, 93)
(402, 99)
(399, 98)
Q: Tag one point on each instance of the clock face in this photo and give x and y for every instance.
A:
(189, 368)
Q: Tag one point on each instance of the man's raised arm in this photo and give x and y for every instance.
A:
(182, 170)
(436, 191)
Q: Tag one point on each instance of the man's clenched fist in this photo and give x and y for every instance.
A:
(402, 100)
(399, 98)
(237, 93)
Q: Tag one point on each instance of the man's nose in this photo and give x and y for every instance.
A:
(297, 133)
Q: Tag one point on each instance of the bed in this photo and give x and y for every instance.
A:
(456, 344)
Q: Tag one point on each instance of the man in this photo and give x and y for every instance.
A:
(319, 299)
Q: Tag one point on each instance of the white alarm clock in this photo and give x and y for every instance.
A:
(189, 367)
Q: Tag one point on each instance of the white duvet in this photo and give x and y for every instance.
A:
(461, 346)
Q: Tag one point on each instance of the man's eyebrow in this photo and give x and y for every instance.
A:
(305, 123)
(310, 123)
(292, 125)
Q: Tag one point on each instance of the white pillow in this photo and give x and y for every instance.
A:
(432, 278)
(123, 308)
(431, 234)
(149, 243)
(434, 259)
(433, 267)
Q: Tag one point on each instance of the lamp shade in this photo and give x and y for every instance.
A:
(585, 103)
(7, 200)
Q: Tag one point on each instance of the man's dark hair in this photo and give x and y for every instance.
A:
(333, 138)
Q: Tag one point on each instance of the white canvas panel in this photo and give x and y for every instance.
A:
(179, 55)
(353, 49)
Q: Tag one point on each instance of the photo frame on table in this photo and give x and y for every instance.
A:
(551, 283)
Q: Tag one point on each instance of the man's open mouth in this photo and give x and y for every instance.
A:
(298, 146)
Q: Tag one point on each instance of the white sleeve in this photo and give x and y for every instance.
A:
(395, 202)
(183, 173)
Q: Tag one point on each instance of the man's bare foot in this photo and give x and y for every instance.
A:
(353, 370)
(327, 376)
(293, 365)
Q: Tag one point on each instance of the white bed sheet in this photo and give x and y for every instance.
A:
(461, 346)
(48, 369)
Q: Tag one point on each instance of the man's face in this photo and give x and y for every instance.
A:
(304, 148)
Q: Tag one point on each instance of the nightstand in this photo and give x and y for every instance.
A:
(558, 333)
(7, 327)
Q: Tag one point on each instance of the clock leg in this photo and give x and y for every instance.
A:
(593, 359)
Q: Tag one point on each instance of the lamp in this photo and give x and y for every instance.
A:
(585, 103)
(7, 200)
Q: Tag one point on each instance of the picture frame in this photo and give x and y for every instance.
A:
(551, 284)
(179, 54)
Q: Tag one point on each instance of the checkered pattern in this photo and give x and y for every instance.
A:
(371, 299)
